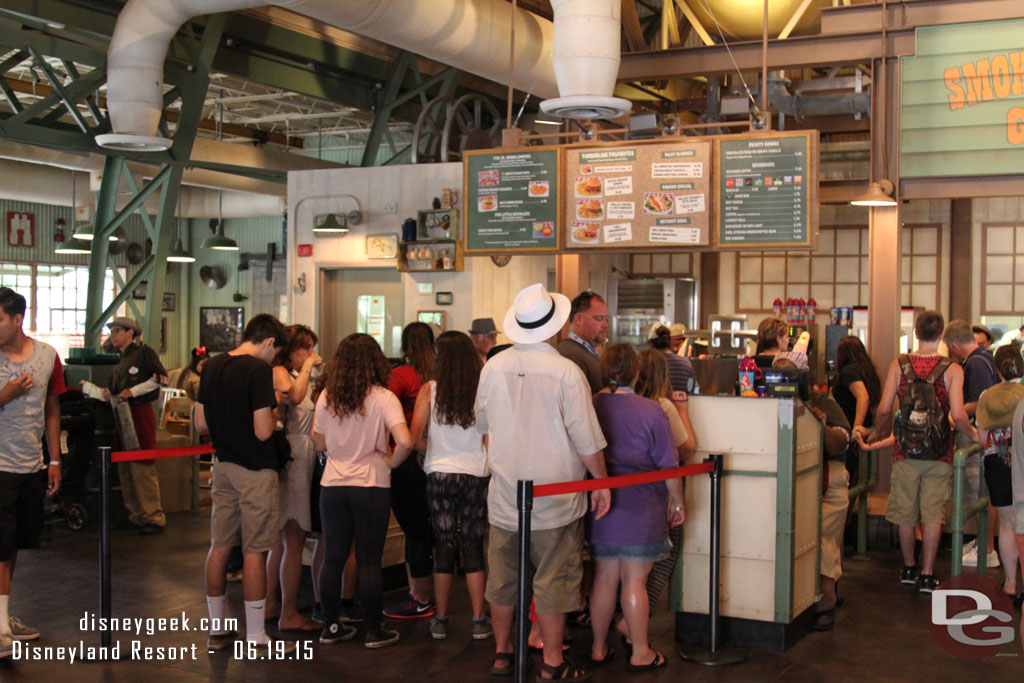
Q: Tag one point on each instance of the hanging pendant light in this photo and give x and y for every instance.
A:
(75, 245)
(178, 253)
(219, 240)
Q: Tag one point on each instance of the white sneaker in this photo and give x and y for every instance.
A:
(992, 559)
(970, 557)
(971, 547)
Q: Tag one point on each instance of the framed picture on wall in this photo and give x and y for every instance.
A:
(432, 318)
(140, 291)
(170, 299)
(220, 327)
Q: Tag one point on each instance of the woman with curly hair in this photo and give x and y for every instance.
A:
(409, 482)
(354, 415)
(292, 370)
(444, 425)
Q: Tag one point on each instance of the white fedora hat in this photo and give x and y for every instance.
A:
(536, 315)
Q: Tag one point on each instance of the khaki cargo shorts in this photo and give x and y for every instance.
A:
(556, 559)
(919, 489)
(244, 508)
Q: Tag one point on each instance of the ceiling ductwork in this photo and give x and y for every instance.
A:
(42, 184)
(586, 60)
(203, 150)
(464, 34)
(800, 106)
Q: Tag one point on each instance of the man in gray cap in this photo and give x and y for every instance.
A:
(484, 335)
(137, 380)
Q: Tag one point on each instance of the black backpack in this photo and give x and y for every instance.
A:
(922, 426)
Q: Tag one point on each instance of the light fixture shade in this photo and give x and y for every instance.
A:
(878, 194)
(331, 225)
(84, 231)
(73, 246)
(219, 241)
(179, 254)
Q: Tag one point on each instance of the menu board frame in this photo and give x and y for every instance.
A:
(811, 205)
(625, 208)
(470, 191)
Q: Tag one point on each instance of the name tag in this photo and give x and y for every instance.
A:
(133, 370)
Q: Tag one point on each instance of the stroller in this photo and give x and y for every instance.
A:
(86, 424)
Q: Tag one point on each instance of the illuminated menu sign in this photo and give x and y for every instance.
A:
(767, 190)
(511, 200)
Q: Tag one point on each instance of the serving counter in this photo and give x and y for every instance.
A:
(771, 518)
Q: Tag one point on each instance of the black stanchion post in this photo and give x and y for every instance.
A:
(524, 501)
(715, 654)
(105, 634)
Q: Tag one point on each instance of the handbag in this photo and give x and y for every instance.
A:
(282, 449)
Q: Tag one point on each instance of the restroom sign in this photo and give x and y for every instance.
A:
(21, 229)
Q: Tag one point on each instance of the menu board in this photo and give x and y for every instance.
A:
(511, 200)
(766, 190)
(643, 195)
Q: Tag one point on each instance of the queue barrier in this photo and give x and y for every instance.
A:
(526, 492)
(107, 458)
(962, 513)
(867, 480)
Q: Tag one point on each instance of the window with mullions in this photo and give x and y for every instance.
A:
(56, 297)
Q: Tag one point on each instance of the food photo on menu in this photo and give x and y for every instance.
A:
(543, 229)
(539, 188)
(487, 178)
(589, 209)
(658, 203)
(585, 233)
(588, 186)
(487, 202)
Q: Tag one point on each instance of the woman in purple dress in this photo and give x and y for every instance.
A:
(634, 534)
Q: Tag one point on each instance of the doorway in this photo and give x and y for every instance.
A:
(370, 300)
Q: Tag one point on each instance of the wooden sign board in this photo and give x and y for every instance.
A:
(639, 195)
(766, 190)
(511, 200)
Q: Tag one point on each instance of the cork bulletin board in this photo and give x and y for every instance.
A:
(643, 195)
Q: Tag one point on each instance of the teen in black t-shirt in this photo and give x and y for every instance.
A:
(232, 388)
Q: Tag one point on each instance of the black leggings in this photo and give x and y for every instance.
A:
(409, 503)
(458, 510)
(361, 513)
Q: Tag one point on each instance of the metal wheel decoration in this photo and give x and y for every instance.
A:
(473, 123)
(429, 129)
(501, 261)
(448, 127)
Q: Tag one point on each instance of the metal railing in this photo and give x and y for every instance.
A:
(962, 513)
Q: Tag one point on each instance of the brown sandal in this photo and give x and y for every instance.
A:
(566, 671)
(507, 658)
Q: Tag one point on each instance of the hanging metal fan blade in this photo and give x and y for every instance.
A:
(212, 276)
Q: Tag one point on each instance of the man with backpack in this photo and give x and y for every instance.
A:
(929, 388)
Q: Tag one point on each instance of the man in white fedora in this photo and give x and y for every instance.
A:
(535, 406)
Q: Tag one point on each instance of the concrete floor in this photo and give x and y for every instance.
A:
(881, 633)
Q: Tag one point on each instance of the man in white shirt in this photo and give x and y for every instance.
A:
(535, 406)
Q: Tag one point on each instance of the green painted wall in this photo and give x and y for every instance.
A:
(962, 101)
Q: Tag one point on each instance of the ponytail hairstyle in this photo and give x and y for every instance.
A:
(618, 366)
(1008, 361)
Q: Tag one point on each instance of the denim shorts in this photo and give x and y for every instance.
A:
(645, 552)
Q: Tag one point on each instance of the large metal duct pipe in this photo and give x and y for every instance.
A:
(817, 105)
(466, 34)
(27, 182)
(586, 59)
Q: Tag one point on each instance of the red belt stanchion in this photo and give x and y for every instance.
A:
(524, 501)
(105, 635)
(714, 655)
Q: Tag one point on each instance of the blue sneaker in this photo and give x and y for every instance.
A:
(410, 608)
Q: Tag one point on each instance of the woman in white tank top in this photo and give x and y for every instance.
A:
(456, 466)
